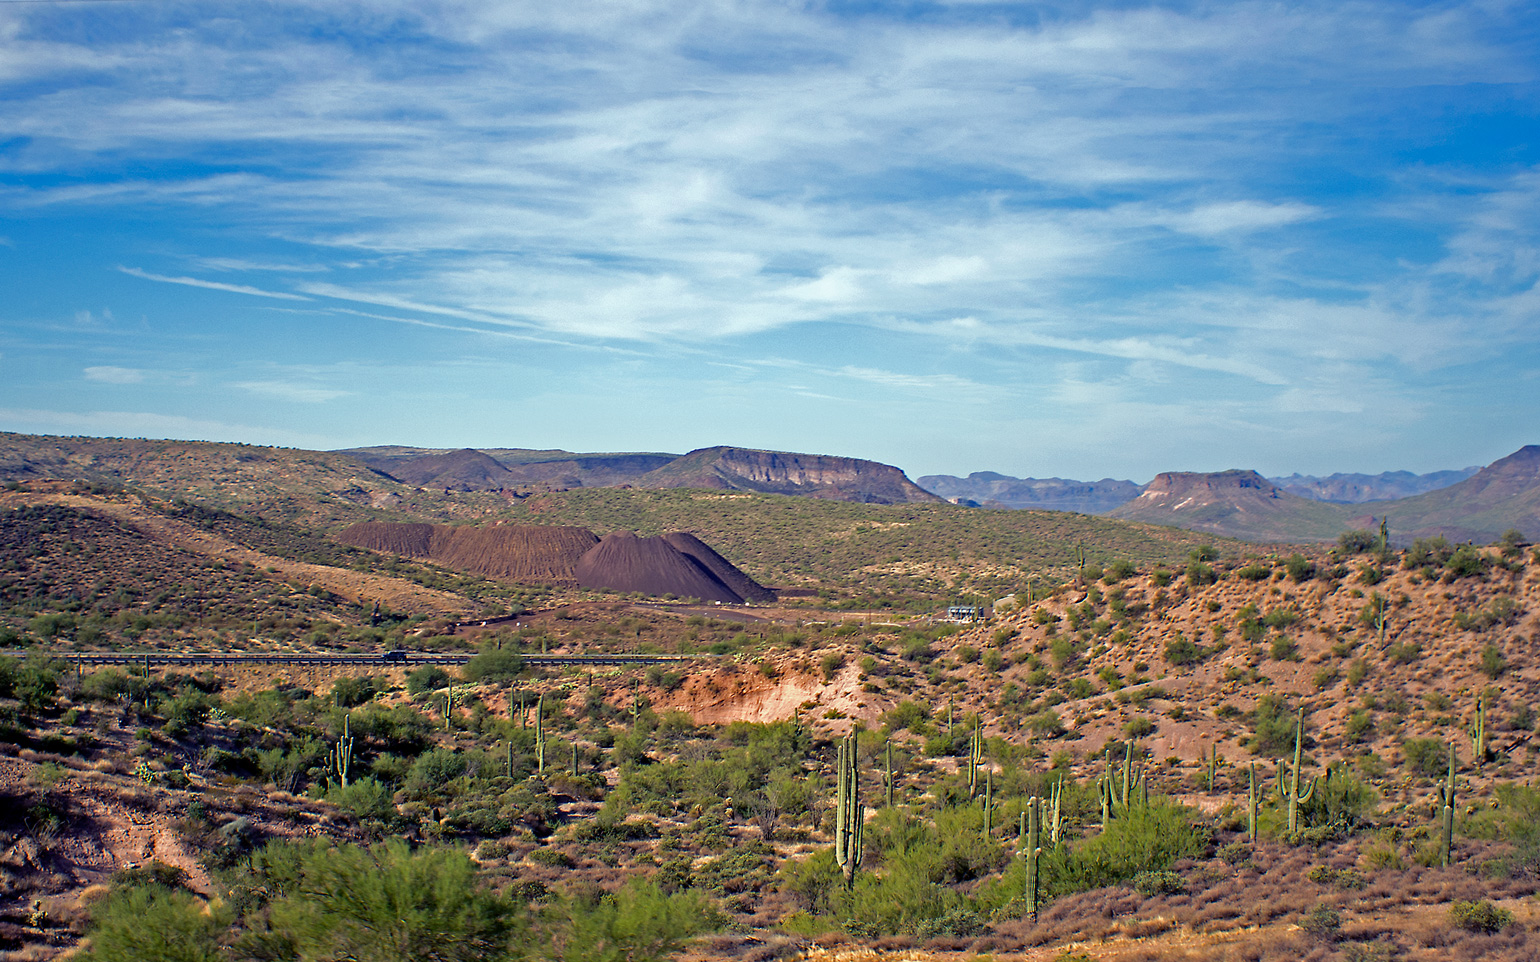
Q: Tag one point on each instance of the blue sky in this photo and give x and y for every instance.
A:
(1082, 240)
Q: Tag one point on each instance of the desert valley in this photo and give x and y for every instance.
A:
(267, 703)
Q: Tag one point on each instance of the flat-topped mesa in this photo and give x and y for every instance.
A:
(1198, 488)
(780, 472)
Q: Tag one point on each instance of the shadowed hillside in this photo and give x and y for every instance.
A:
(1505, 494)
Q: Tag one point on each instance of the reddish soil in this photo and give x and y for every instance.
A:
(397, 594)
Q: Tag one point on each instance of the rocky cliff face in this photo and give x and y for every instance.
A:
(1176, 490)
(779, 472)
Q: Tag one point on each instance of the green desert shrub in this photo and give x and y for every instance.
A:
(1479, 916)
(639, 923)
(157, 922)
(1428, 757)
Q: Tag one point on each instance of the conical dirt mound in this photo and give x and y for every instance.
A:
(625, 562)
(741, 584)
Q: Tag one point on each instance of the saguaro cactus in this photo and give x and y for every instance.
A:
(540, 734)
(975, 757)
(1446, 813)
(887, 773)
(1032, 854)
(1051, 818)
(1295, 797)
(1252, 797)
(1117, 795)
(989, 801)
(1478, 731)
(849, 814)
(342, 755)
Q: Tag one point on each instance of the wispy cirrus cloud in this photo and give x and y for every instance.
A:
(107, 374)
(1262, 198)
(211, 285)
(290, 391)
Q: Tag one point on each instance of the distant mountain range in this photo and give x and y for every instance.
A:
(1242, 504)
(719, 468)
(1359, 488)
(993, 490)
(416, 484)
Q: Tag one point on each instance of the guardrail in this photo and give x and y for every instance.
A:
(408, 658)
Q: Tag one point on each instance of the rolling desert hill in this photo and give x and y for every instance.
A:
(497, 468)
(1501, 496)
(924, 549)
(463, 470)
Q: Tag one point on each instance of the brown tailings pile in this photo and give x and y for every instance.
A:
(739, 583)
(625, 562)
(512, 552)
(411, 540)
(675, 564)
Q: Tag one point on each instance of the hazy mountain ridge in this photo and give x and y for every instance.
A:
(1503, 495)
(1042, 494)
(1357, 488)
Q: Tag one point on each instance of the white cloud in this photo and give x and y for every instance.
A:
(1241, 215)
(210, 285)
(243, 264)
(115, 375)
(1143, 190)
(147, 424)
(287, 391)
